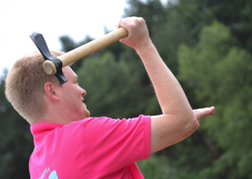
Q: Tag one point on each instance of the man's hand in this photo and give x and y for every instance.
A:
(203, 112)
(138, 35)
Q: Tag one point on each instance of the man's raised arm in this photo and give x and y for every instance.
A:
(177, 121)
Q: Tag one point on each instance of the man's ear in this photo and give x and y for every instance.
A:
(51, 91)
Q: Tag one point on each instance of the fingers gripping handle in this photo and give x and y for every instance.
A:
(85, 50)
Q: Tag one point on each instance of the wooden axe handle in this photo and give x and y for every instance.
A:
(84, 50)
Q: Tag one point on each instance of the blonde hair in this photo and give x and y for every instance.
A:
(24, 87)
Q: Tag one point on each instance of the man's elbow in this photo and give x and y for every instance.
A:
(192, 125)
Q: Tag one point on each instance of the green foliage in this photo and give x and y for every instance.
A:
(204, 58)
(220, 74)
(114, 87)
(153, 12)
(157, 167)
(15, 141)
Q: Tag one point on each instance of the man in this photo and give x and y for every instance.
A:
(71, 144)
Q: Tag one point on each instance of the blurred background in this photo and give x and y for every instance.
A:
(207, 44)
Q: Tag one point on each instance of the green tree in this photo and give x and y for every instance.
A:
(220, 74)
(113, 87)
(157, 167)
(15, 141)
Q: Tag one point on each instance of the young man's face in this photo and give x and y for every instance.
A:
(72, 96)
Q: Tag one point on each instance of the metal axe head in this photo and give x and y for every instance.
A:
(40, 42)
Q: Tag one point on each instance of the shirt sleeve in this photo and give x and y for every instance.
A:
(110, 144)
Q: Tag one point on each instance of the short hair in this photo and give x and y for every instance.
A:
(24, 85)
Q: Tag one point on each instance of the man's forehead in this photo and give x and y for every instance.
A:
(67, 70)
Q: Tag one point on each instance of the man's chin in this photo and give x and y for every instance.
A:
(86, 113)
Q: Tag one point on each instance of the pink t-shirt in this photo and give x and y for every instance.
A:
(91, 148)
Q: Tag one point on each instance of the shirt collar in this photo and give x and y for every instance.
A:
(40, 130)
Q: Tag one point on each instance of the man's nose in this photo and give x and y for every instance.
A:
(83, 92)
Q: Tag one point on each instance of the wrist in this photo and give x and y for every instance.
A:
(145, 47)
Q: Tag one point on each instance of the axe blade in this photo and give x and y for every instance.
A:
(40, 42)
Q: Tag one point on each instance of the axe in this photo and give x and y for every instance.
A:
(53, 65)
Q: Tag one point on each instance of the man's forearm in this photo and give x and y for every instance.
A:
(169, 93)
